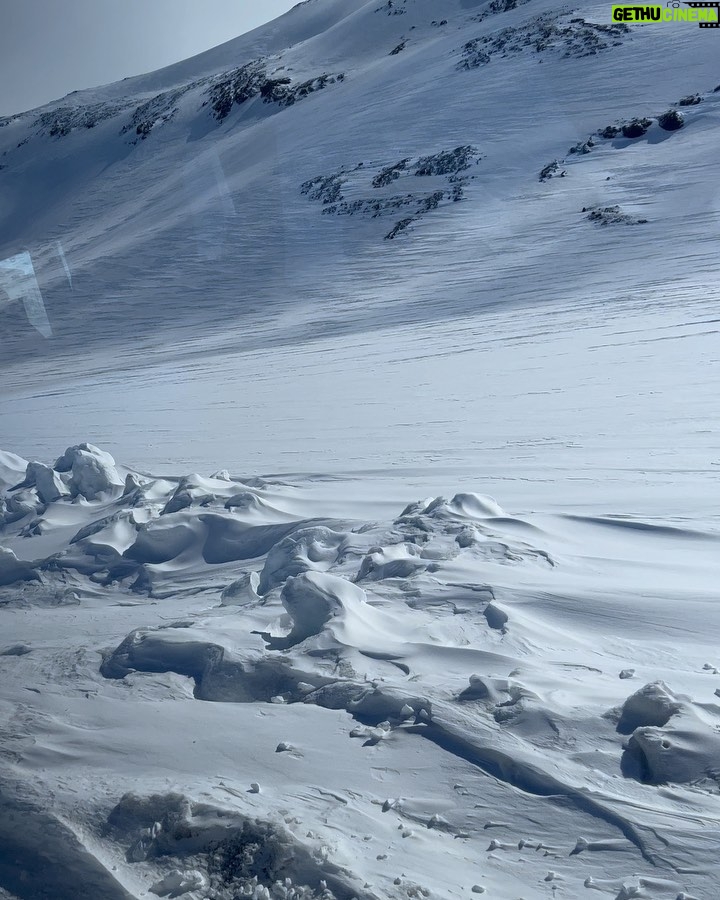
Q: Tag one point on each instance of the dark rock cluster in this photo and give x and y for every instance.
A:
(636, 128)
(236, 87)
(447, 162)
(499, 6)
(582, 147)
(324, 188)
(450, 165)
(59, 122)
(611, 215)
(393, 8)
(157, 111)
(374, 206)
(671, 120)
(390, 173)
(251, 80)
(552, 170)
(544, 34)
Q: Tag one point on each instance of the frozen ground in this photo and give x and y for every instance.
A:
(327, 663)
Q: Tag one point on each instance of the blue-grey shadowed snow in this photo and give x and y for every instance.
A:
(209, 204)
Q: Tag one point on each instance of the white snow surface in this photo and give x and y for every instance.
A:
(374, 568)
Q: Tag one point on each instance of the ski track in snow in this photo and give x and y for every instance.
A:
(337, 667)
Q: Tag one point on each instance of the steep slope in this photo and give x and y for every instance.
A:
(178, 198)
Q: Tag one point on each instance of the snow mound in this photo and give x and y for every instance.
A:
(313, 599)
(684, 754)
(673, 740)
(242, 591)
(197, 490)
(313, 548)
(463, 506)
(399, 561)
(11, 469)
(12, 569)
(92, 471)
(18, 505)
(654, 705)
(220, 675)
(49, 484)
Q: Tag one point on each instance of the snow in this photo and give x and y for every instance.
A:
(391, 570)
(385, 716)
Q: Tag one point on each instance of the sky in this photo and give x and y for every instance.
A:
(51, 47)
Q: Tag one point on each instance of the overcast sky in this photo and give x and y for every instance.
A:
(51, 47)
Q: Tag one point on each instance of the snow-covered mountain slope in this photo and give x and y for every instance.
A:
(182, 225)
(179, 206)
(437, 249)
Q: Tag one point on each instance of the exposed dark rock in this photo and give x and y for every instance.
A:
(160, 109)
(236, 87)
(611, 215)
(393, 8)
(399, 227)
(671, 120)
(373, 206)
(544, 34)
(431, 202)
(249, 81)
(499, 6)
(326, 188)
(637, 128)
(448, 162)
(473, 55)
(287, 96)
(458, 191)
(61, 121)
(273, 88)
(583, 147)
(390, 173)
(552, 170)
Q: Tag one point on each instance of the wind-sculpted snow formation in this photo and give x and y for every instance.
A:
(229, 693)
